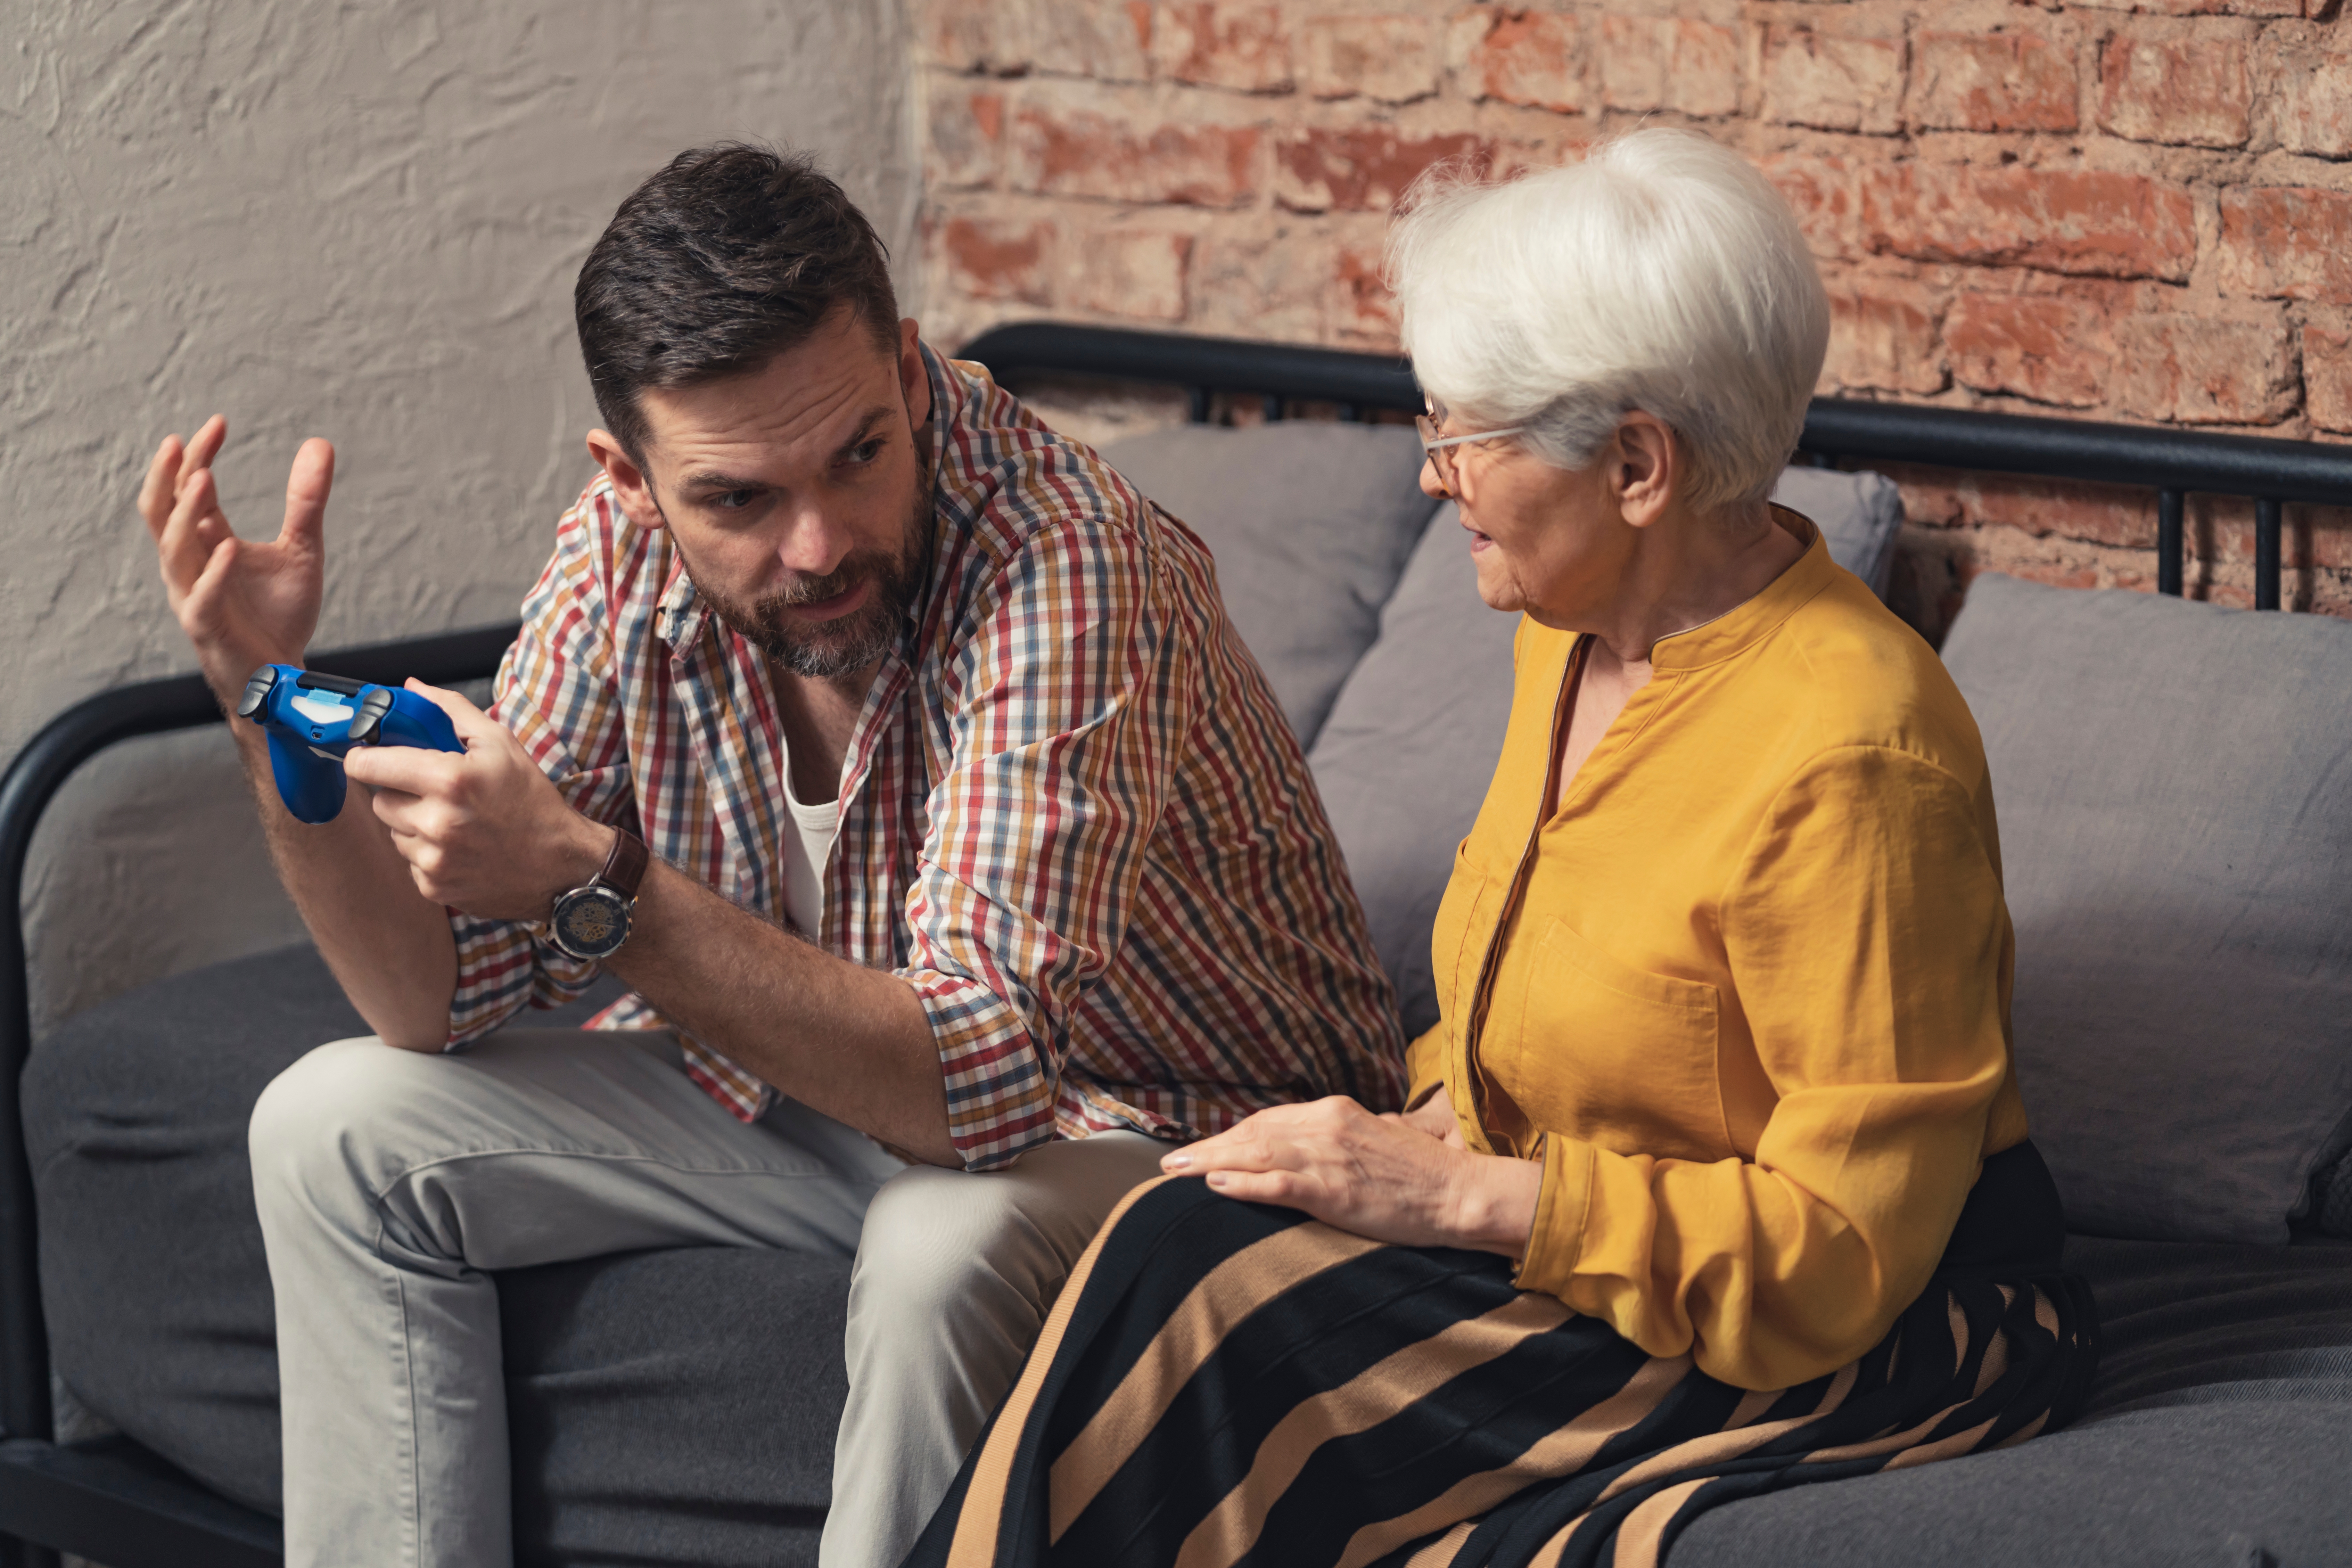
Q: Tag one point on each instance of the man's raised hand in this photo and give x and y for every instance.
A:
(243, 602)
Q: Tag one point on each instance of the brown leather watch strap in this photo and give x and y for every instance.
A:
(624, 867)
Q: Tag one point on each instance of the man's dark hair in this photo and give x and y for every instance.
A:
(726, 258)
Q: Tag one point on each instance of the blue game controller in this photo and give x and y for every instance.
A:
(312, 719)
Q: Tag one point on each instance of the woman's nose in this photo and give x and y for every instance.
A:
(1431, 483)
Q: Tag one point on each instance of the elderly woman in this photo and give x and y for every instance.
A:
(1715, 1177)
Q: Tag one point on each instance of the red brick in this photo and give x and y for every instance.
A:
(2049, 350)
(1391, 58)
(1882, 338)
(1363, 311)
(1224, 43)
(1109, 40)
(2085, 221)
(2121, 515)
(1361, 169)
(1992, 81)
(2189, 91)
(991, 259)
(2310, 88)
(2188, 371)
(2327, 378)
(1833, 80)
(2287, 242)
(2211, 7)
(1531, 58)
(1132, 272)
(1079, 152)
(1669, 62)
(966, 122)
(1821, 190)
(1513, 156)
(1252, 280)
(977, 34)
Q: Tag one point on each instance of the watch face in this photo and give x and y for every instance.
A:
(590, 922)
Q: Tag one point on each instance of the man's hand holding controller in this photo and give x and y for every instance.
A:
(481, 830)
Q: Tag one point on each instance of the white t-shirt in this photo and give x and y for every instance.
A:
(804, 859)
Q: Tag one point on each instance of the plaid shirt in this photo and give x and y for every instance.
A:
(1073, 818)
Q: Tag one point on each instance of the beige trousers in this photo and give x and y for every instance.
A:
(389, 1182)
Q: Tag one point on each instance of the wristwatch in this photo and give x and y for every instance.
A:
(592, 921)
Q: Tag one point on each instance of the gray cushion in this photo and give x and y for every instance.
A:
(1310, 523)
(1859, 515)
(2216, 1486)
(665, 1407)
(2218, 1431)
(1405, 757)
(2175, 788)
(2331, 1198)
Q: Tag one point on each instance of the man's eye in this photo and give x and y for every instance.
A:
(733, 501)
(866, 452)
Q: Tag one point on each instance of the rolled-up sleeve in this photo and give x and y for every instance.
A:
(1869, 948)
(1064, 712)
(556, 693)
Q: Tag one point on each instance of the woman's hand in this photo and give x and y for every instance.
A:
(1433, 1115)
(1391, 1178)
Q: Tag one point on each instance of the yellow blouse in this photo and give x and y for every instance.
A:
(1746, 994)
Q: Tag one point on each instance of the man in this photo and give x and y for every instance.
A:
(982, 866)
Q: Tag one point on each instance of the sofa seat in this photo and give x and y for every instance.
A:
(679, 1406)
(666, 1407)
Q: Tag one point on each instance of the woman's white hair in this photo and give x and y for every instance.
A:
(1662, 272)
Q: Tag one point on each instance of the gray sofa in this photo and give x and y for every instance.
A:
(2176, 791)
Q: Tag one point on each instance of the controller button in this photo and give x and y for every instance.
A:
(367, 724)
(256, 691)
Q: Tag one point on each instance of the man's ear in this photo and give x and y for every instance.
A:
(630, 483)
(1643, 460)
(914, 382)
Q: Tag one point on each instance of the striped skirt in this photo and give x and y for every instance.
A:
(1225, 1382)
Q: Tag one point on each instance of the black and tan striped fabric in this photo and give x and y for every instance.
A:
(1228, 1384)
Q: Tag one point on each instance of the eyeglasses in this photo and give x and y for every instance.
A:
(1440, 447)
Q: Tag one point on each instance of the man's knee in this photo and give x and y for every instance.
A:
(317, 1123)
(937, 1242)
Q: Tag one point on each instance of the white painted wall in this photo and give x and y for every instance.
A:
(361, 221)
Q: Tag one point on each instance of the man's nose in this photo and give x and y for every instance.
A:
(814, 545)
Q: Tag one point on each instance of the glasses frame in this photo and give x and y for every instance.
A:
(1440, 447)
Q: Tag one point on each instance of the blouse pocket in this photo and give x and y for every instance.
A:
(1617, 1056)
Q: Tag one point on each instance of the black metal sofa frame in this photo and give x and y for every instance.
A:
(112, 1501)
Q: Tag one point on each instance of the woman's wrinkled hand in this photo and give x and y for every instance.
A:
(1391, 1178)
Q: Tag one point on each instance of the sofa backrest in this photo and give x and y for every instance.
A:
(2174, 782)
(1310, 524)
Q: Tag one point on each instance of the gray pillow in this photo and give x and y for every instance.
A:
(2175, 787)
(1310, 522)
(1859, 515)
(1405, 757)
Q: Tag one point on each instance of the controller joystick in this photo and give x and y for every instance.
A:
(312, 719)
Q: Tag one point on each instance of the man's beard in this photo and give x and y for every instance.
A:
(827, 651)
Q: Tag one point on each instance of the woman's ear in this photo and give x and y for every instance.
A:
(631, 486)
(1642, 468)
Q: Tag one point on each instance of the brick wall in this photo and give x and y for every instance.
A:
(2121, 211)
